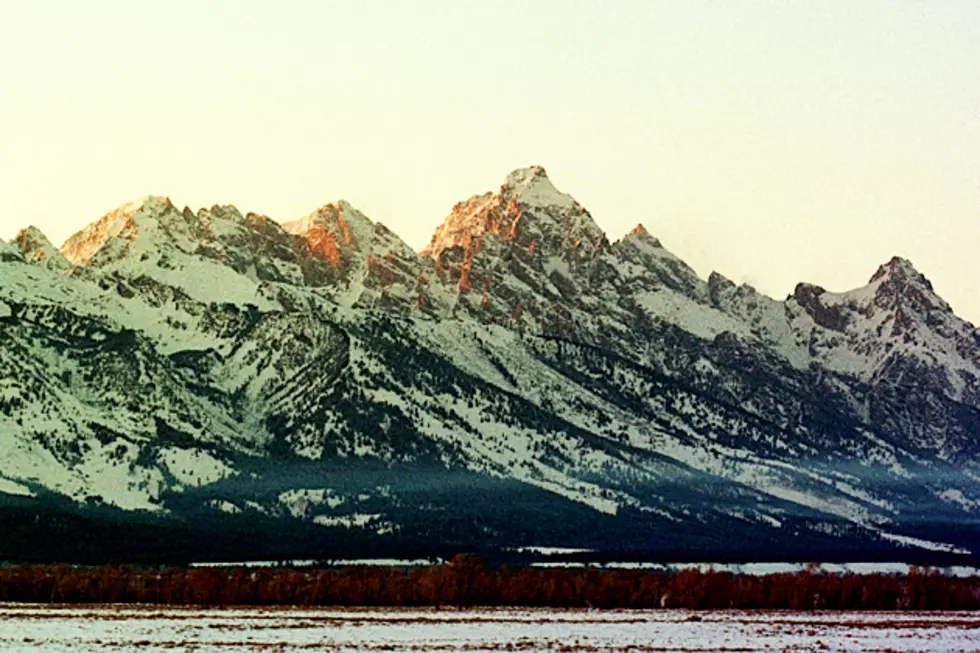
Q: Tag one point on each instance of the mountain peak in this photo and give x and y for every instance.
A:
(36, 248)
(899, 286)
(900, 269)
(334, 231)
(149, 202)
(897, 281)
(220, 211)
(527, 209)
(524, 176)
(531, 186)
(122, 222)
(29, 236)
(640, 233)
(335, 216)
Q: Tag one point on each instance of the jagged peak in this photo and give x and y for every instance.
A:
(721, 289)
(344, 205)
(807, 288)
(120, 222)
(527, 209)
(30, 234)
(524, 176)
(899, 268)
(36, 248)
(339, 233)
(333, 216)
(31, 231)
(149, 204)
(717, 279)
(640, 233)
(223, 211)
(898, 286)
(531, 186)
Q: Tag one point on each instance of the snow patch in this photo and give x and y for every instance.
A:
(957, 496)
(300, 503)
(224, 506)
(918, 543)
(194, 467)
(12, 487)
(354, 520)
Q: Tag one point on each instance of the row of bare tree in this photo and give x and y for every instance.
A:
(467, 580)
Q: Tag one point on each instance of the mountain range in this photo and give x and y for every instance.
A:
(180, 385)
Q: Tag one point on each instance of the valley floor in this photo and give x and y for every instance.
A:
(95, 628)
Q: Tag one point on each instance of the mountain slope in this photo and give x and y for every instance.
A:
(319, 376)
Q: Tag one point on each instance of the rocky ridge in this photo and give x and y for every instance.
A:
(164, 355)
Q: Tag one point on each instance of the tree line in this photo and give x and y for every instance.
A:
(468, 581)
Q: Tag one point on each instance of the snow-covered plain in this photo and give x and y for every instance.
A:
(767, 568)
(150, 628)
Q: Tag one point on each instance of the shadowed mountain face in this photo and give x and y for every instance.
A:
(321, 388)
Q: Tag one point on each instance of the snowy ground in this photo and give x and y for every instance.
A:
(74, 628)
(766, 568)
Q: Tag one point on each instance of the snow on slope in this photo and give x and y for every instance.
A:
(36, 248)
(116, 229)
(897, 312)
(368, 264)
(557, 359)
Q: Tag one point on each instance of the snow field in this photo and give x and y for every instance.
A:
(94, 628)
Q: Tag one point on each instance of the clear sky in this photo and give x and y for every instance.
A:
(774, 142)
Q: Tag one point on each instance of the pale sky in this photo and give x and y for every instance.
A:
(775, 142)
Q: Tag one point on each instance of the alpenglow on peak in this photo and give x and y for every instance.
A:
(120, 222)
(293, 374)
(527, 208)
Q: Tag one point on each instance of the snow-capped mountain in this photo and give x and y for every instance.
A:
(521, 381)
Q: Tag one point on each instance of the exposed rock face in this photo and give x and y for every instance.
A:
(913, 363)
(829, 317)
(113, 233)
(36, 248)
(170, 354)
(367, 261)
(527, 209)
(522, 257)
